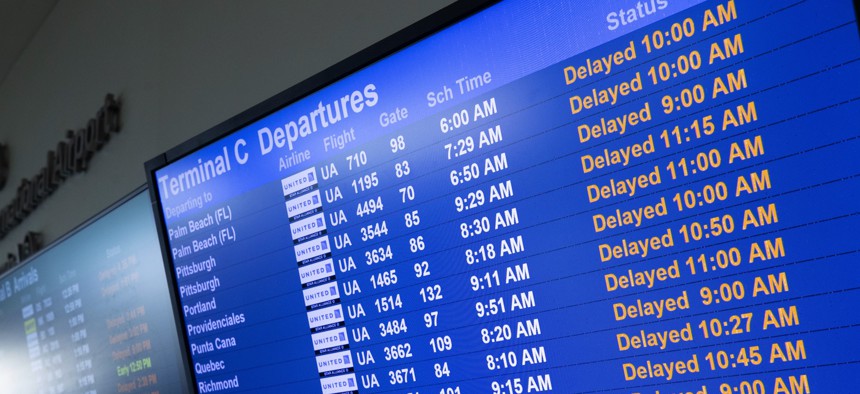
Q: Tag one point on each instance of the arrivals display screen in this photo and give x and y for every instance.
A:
(654, 196)
(92, 313)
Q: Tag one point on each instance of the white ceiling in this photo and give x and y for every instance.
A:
(19, 22)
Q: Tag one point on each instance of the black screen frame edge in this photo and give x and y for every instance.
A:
(415, 32)
(409, 35)
(857, 14)
(167, 265)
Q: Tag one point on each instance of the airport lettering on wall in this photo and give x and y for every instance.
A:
(71, 156)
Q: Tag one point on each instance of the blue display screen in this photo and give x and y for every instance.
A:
(92, 313)
(577, 197)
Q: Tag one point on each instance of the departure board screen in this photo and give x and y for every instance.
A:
(547, 196)
(92, 313)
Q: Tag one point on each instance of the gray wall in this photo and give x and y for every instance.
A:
(180, 67)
